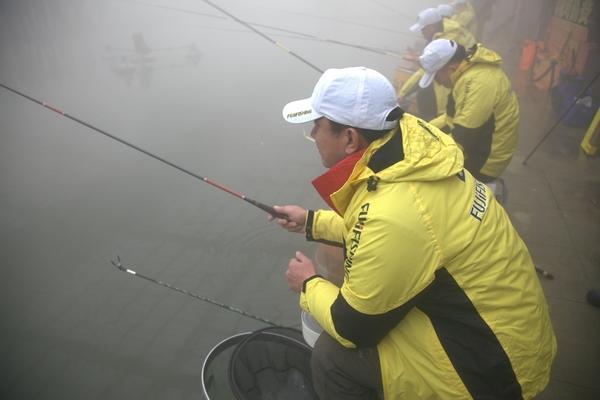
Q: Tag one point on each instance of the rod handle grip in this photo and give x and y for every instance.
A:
(268, 209)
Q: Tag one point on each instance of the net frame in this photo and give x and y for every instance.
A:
(288, 337)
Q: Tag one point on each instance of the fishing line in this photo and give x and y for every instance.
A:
(174, 9)
(270, 210)
(117, 263)
(408, 17)
(276, 43)
(333, 41)
(306, 35)
(342, 21)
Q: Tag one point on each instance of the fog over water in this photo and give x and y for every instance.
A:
(186, 82)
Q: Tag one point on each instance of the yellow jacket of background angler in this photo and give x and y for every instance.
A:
(483, 113)
(452, 31)
(466, 17)
(425, 240)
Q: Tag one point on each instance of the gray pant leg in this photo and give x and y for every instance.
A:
(345, 374)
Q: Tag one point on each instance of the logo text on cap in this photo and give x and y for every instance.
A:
(298, 114)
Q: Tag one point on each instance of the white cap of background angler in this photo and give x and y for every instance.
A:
(435, 55)
(445, 10)
(426, 17)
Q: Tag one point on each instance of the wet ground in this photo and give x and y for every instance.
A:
(185, 81)
(554, 203)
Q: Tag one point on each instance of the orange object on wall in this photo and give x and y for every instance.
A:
(528, 54)
(566, 40)
(565, 50)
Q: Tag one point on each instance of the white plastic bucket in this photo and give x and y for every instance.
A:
(311, 330)
(498, 189)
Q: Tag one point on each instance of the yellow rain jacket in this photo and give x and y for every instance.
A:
(466, 17)
(452, 31)
(483, 114)
(435, 275)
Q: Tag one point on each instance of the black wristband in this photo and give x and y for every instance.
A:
(308, 279)
(310, 216)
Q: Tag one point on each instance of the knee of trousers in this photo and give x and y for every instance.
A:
(324, 353)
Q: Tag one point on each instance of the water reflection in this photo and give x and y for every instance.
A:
(138, 63)
(199, 90)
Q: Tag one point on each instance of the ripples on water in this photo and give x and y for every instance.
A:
(71, 199)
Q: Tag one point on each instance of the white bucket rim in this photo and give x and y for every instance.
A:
(310, 332)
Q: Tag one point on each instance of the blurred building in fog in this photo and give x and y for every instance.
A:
(559, 28)
(140, 61)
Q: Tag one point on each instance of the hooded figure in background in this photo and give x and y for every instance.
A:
(482, 111)
(440, 298)
(433, 25)
(464, 14)
(446, 10)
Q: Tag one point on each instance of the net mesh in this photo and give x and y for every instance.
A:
(272, 363)
(215, 380)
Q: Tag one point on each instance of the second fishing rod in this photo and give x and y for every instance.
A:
(268, 209)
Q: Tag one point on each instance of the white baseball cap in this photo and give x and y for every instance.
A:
(426, 17)
(445, 10)
(435, 55)
(359, 97)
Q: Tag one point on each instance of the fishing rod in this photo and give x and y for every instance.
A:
(117, 263)
(560, 119)
(306, 35)
(187, 11)
(175, 9)
(253, 29)
(250, 24)
(333, 41)
(343, 21)
(270, 210)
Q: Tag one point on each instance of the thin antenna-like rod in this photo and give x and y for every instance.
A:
(560, 119)
(117, 263)
(253, 29)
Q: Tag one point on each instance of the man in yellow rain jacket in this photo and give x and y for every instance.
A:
(431, 24)
(482, 111)
(440, 299)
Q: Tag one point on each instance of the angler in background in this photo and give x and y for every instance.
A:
(446, 10)
(464, 14)
(440, 298)
(432, 25)
(482, 112)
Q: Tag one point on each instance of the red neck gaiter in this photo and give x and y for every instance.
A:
(332, 180)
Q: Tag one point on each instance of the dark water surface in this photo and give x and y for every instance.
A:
(200, 90)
